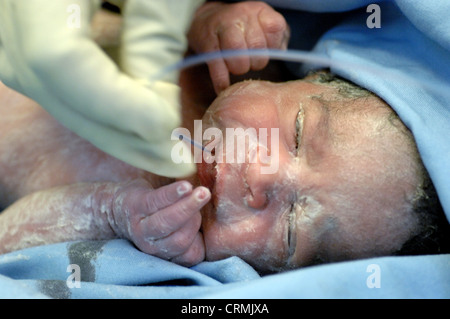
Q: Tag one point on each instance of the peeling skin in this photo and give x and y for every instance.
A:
(84, 211)
(56, 223)
(349, 182)
(344, 182)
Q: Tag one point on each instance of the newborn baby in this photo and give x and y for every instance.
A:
(346, 185)
(347, 181)
(60, 158)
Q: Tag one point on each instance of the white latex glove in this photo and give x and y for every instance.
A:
(115, 107)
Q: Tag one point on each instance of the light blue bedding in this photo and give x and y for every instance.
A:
(116, 269)
(414, 40)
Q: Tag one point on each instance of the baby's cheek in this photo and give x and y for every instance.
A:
(251, 239)
(221, 240)
(218, 243)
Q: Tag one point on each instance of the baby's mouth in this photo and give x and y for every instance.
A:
(207, 168)
(207, 174)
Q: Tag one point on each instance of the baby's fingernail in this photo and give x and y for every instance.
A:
(183, 188)
(200, 194)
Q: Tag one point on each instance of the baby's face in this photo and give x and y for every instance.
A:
(339, 190)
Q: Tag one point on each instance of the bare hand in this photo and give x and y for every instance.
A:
(163, 222)
(246, 25)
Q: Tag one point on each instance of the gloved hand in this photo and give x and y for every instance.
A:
(48, 56)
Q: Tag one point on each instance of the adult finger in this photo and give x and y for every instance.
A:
(275, 28)
(233, 38)
(256, 39)
(219, 74)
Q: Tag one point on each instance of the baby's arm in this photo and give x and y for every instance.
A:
(238, 26)
(164, 222)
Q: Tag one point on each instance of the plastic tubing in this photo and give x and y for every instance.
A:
(315, 60)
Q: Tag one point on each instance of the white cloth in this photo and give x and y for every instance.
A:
(47, 54)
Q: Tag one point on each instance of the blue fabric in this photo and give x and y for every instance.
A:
(116, 269)
(320, 5)
(413, 41)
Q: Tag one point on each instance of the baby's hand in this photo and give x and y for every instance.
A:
(246, 25)
(162, 222)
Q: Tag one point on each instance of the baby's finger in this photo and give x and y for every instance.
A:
(166, 196)
(194, 254)
(232, 38)
(178, 242)
(172, 218)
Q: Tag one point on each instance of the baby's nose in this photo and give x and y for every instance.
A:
(259, 183)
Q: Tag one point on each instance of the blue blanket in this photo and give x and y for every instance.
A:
(413, 41)
(116, 269)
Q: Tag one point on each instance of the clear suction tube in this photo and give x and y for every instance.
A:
(314, 61)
